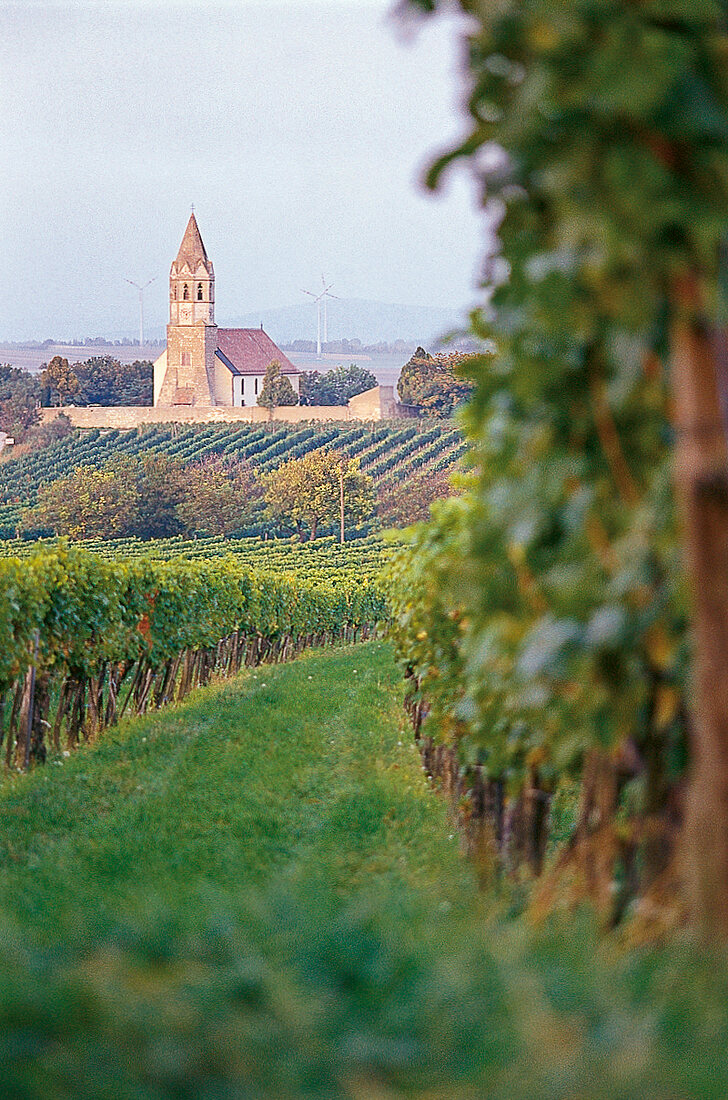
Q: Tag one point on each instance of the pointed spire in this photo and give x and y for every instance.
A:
(192, 250)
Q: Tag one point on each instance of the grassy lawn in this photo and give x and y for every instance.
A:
(256, 895)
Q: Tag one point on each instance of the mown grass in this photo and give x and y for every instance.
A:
(256, 895)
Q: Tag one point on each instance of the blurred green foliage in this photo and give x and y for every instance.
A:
(543, 615)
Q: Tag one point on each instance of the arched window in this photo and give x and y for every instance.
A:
(199, 292)
(185, 359)
(174, 292)
(185, 293)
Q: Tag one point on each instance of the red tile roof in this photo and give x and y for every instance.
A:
(250, 350)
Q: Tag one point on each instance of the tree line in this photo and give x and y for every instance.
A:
(434, 383)
(153, 496)
(334, 387)
(103, 380)
(100, 380)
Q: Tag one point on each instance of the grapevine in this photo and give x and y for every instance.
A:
(89, 636)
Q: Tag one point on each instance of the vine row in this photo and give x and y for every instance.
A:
(90, 639)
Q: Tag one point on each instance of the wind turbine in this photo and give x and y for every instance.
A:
(318, 299)
(141, 290)
(325, 295)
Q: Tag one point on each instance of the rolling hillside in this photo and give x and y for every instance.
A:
(386, 450)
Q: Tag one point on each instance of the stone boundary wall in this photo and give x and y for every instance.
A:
(375, 404)
(129, 416)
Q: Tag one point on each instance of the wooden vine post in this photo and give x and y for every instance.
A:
(27, 712)
(701, 475)
(341, 499)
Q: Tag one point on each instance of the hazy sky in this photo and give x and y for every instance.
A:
(298, 129)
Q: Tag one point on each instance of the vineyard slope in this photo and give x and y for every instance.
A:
(386, 450)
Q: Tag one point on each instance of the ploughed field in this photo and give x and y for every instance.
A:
(257, 894)
(387, 450)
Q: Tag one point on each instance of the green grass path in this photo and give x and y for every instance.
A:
(257, 895)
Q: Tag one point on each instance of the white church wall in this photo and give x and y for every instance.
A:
(224, 392)
(160, 369)
(252, 385)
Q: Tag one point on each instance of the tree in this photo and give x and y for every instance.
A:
(349, 381)
(135, 383)
(435, 383)
(43, 435)
(160, 486)
(89, 503)
(59, 384)
(149, 496)
(401, 503)
(128, 496)
(306, 492)
(100, 380)
(315, 389)
(103, 380)
(277, 389)
(219, 495)
(337, 386)
(19, 395)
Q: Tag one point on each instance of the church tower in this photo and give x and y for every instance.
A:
(191, 332)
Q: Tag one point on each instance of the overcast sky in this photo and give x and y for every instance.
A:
(298, 129)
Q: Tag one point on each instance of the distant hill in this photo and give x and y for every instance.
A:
(353, 319)
(349, 319)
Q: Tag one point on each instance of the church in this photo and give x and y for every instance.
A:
(204, 365)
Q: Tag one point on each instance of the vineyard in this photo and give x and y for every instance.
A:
(90, 638)
(257, 889)
(390, 450)
(362, 559)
